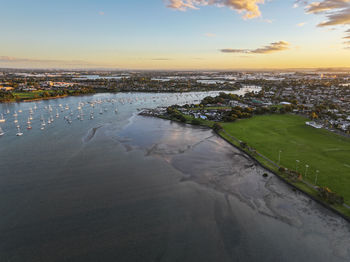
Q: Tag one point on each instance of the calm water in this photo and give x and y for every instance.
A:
(122, 187)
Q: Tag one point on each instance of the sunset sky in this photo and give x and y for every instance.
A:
(175, 34)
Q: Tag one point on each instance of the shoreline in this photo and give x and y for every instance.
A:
(255, 160)
(33, 100)
(323, 203)
(98, 91)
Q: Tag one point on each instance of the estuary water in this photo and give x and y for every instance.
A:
(100, 183)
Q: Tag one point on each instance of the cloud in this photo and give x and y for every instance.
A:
(341, 17)
(249, 8)
(301, 24)
(336, 12)
(9, 60)
(271, 48)
(326, 5)
(269, 21)
(347, 35)
(209, 35)
(161, 59)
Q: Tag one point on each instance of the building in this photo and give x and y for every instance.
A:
(6, 88)
(314, 124)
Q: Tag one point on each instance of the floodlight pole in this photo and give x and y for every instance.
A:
(306, 168)
(279, 157)
(296, 165)
(316, 176)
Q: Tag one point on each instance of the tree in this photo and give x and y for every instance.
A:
(217, 127)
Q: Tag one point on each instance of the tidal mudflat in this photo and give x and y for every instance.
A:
(129, 188)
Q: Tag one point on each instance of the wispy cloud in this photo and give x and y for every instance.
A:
(209, 35)
(249, 8)
(326, 5)
(301, 24)
(336, 12)
(271, 48)
(161, 59)
(341, 17)
(9, 60)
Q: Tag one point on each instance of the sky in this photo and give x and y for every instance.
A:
(175, 34)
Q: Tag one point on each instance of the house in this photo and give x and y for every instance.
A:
(285, 103)
(6, 88)
(314, 124)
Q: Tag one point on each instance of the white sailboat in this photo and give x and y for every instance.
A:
(19, 133)
(43, 125)
(2, 119)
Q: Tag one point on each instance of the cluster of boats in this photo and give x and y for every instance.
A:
(87, 109)
(49, 114)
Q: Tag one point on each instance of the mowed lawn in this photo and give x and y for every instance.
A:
(320, 149)
(32, 94)
(28, 95)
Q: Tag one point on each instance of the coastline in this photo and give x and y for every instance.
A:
(311, 193)
(102, 91)
(313, 197)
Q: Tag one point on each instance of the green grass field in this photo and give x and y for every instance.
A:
(31, 95)
(320, 149)
(28, 95)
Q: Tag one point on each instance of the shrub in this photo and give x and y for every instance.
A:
(182, 118)
(330, 196)
(217, 127)
(243, 144)
(282, 169)
(195, 122)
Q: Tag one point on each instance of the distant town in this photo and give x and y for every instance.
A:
(322, 96)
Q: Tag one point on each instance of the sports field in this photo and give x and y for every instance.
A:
(320, 149)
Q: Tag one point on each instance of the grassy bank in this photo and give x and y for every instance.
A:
(320, 149)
